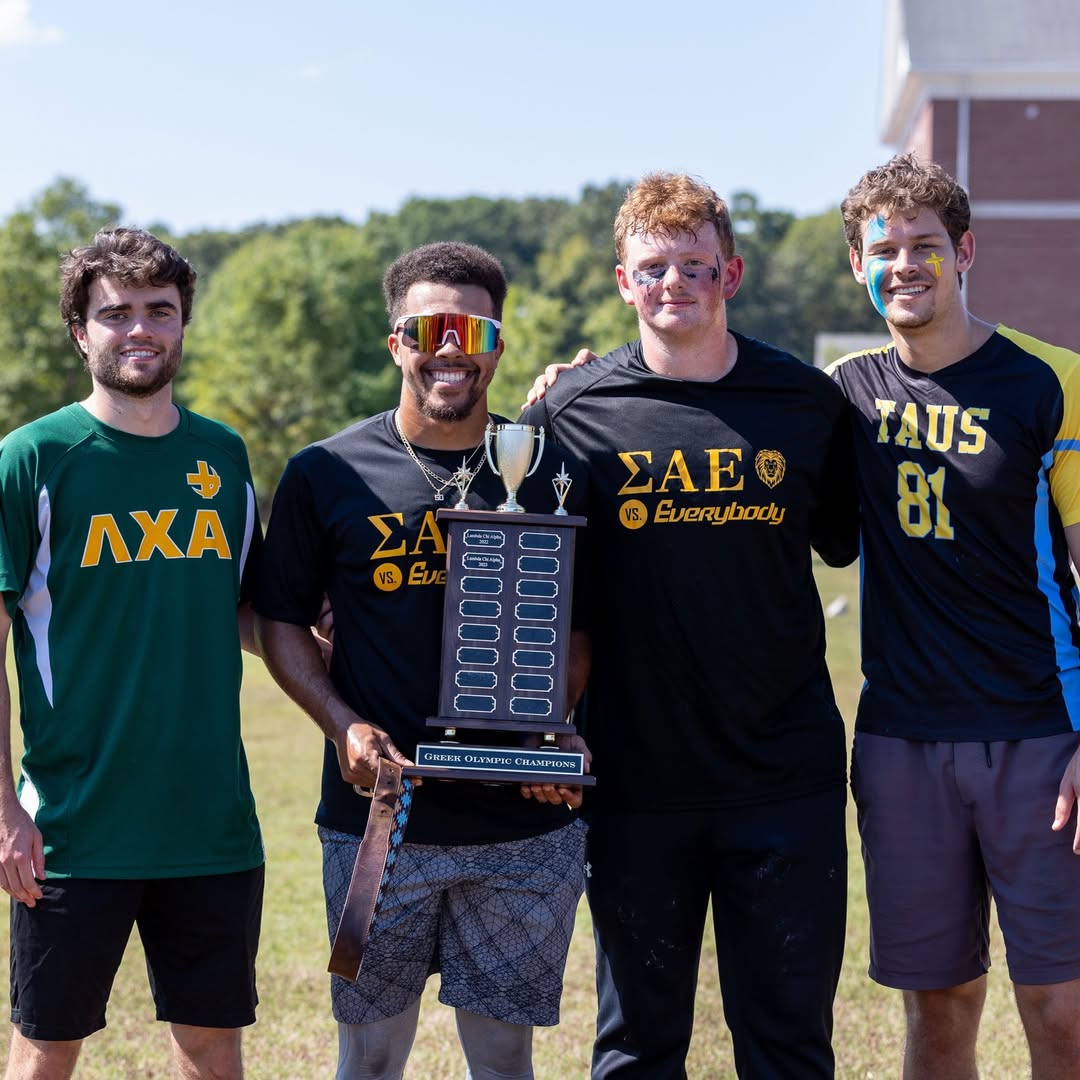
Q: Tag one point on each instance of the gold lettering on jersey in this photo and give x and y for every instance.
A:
(419, 574)
(725, 471)
(633, 514)
(156, 535)
(885, 409)
(102, 528)
(725, 461)
(667, 513)
(387, 577)
(977, 433)
(208, 534)
(431, 535)
(938, 422)
(627, 458)
(945, 417)
(386, 531)
(204, 480)
(908, 435)
(677, 470)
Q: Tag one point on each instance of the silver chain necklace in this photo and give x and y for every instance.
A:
(436, 482)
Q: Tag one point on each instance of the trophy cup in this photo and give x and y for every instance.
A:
(506, 630)
(514, 450)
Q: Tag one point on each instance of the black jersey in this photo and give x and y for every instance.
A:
(967, 477)
(709, 681)
(354, 518)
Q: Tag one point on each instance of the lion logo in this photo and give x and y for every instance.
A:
(770, 467)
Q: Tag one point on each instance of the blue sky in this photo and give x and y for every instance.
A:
(222, 114)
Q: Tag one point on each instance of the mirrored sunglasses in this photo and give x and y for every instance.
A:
(471, 333)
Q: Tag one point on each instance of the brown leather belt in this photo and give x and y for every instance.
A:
(374, 865)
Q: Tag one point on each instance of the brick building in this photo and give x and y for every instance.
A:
(991, 90)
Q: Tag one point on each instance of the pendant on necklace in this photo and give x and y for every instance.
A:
(438, 496)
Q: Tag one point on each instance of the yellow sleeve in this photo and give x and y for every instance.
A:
(1065, 470)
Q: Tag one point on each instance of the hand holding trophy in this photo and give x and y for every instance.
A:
(506, 628)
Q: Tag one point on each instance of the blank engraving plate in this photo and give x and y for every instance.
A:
(505, 650)
(507, 624)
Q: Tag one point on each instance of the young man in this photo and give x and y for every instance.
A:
(969, 478)
(125, 526)
(715, 462)
(487, 883)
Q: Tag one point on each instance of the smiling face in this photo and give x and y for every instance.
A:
(445, 385)
(679, 284)
(132, 339)
(910, 268)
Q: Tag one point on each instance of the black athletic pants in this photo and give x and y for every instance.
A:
(777, 877)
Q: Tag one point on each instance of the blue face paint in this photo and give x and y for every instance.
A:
(646, 281)
(874, 266)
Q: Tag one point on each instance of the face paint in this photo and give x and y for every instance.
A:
(873, 266)
(716, 272)
(935, 261)
(647, 281)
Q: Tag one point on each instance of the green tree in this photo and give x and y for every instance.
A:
(207, 249)
(811, 288)
(289, 342)
(532, 328)
(611, 323)
(514, 230)
(581, 274)
(39, 370)
(757, 233)
(592, 217)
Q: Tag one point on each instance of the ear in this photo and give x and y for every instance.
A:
(394, 345)
(733, 275)
(499, 349)
(625, 291)
(965, 253)
(855, 258)
(79, 331)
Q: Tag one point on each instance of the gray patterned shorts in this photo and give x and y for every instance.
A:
(494, 920)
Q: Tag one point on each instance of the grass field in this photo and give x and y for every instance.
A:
(295, 1038)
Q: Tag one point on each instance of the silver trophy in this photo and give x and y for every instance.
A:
(561, 481)
(514, 450)
(461, 480)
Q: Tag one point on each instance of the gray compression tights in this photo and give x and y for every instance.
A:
(493, 1049)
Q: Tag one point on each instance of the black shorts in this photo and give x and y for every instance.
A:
(947, 825)
(200, 936)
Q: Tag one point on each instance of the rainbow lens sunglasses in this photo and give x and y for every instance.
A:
(471, 333)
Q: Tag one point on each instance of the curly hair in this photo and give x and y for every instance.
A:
(131, 256)
(907, 185)
(443, 263)
(666, 204)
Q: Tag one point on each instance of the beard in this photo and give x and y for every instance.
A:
(108, 370)
(447, 412)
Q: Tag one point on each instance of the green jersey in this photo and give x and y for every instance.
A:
(121, 559)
